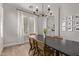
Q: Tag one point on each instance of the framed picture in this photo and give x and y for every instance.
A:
(64, 23)
(75, 17)
(69, 18)
(69, 23)
(77, 22)
(77, 28)
(64, 19)
(69, 28)
(63, 28)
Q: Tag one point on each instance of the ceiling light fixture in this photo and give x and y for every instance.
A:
(48, 13)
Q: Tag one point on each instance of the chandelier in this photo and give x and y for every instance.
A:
(49, 12)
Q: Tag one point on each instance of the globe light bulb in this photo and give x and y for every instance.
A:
(48, 6)
(36, 8)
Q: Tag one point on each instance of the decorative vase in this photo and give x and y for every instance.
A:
(45, 32)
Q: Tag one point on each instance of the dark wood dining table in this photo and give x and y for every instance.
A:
(67, 47)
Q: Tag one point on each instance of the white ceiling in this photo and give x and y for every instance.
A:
(25, 6)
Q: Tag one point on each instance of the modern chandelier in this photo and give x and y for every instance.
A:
(49, 12)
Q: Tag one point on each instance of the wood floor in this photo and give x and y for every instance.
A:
(18, 50)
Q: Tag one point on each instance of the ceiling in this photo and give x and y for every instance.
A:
(32, 6)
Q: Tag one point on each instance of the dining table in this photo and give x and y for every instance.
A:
(67, 47)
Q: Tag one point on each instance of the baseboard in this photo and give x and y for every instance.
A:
(13, 44)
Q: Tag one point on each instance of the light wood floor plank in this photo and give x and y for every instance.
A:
(18, 50)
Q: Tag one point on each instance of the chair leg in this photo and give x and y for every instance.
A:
(29, 50)
(35, 51)
(57, 53)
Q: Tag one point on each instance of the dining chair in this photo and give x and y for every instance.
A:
(56, 52)
(32, 43)
(32, 47)
(49, 51)
(43, 49)
(40, 48)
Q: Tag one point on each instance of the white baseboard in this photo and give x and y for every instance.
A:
(12, 44)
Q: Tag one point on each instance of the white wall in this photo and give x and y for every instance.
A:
(10, 26)
(69, 10)
(1, 28)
